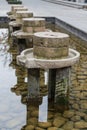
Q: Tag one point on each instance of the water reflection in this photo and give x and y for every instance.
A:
(42, 113)
(10, 106)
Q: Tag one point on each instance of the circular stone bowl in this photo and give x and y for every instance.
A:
(27, 59)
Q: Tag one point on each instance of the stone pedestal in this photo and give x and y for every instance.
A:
(50, 52)
(59, 84)
(51, 45)
(23, 14)
(30, 25)
(20, 9)
(14, 9)
(11, 13)
(33, 25)
(33, 83)
(16, 25)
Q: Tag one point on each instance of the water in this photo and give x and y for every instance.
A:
(17, 112)
(10, 105)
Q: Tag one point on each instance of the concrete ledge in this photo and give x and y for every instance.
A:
(53, 20)
(77, 32)
(4, 20)
(68, 3)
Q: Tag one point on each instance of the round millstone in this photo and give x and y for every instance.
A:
(33, 24)
(20, 9)
(50, 45)
(16, 6)
(23, 14)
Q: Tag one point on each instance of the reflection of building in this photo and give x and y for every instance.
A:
(20, 88)
(37, 112)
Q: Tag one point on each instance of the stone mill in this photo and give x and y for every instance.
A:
(11, 13)
(50, 52)
(20, 13)
(25, 35)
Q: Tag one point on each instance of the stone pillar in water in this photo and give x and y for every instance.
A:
(18, 14)
(29, 27)
(59, 84)
(54, 46)
(33, 83)
(17, 25)
(50, 52)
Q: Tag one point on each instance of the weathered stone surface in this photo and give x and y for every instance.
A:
(51, 39)
(16, 6)
(52, 128)
(27, 59)
(34, 22)
(35, 113)
(50, 115)
(75, 129)
(50, 45)
(59, 121)
(23, 14)
(81, 114)
(84, 105)
(20, 9)
(38, 128)
(75, 106)
(44, 124)
(50, 53)
(57, 114)
(33, 29)
(14, 24)
(68, 125)
(29, 127)
(68, 114)
(60, 129)
(76, 118)
(81, 124)
(32, 121)
(33, 82)
(85, 117)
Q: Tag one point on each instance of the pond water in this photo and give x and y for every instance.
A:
(17, 112)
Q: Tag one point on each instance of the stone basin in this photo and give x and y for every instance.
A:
(19, 15)
(27, 59)
(15, 24)
(13, 7)
(20, 34)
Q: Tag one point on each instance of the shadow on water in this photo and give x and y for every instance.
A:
(22, 113)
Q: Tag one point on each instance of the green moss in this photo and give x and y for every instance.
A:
(63, 100)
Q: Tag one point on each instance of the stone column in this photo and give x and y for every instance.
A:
(62, 83)
(51, 83)
(58, 86)
(30, 25)
(23, 14)
(33, 83)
